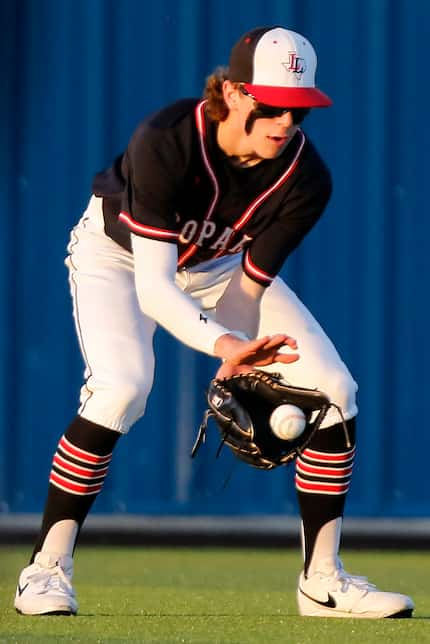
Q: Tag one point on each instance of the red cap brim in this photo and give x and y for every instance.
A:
(289, 96)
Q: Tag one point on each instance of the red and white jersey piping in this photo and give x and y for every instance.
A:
(151, 231)
(174, 236)
(253, 271)
(247, 214)
(201, 129)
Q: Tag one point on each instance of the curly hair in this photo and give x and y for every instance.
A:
(216, 108)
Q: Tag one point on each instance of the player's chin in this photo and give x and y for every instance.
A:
(273, 147)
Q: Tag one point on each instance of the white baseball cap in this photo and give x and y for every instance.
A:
(277, 67)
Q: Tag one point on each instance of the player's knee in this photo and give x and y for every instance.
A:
(342, 389)
(131, 394)
(117, 404)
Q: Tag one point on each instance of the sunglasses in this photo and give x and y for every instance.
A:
(261, 110)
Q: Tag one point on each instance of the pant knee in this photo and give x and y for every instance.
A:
(130, 395)
(341, 389)
(117, 404)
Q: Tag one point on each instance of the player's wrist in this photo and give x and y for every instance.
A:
(228, 343)
(240, 335)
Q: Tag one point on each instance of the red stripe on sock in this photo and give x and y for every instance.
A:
(73, 487)
(333, 457)
(85, 472)
(323, 471)
(321, 488)
(81, 454)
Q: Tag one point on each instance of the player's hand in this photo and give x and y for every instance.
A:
(243, 356)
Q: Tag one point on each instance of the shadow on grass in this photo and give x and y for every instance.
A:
(244, 615)
(202, 615)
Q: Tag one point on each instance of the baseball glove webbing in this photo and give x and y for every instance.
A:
(241, 407)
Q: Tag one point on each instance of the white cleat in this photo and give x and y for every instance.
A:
(45, 588)
(332, 592)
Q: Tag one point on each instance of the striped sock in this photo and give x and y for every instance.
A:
(323, 474)
(78, 472)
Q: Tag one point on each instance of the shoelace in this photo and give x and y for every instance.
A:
(345, 580)
(51, 579)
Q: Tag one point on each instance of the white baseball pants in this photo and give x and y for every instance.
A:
(116, 338)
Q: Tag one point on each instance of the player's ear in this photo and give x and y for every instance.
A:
(231, 94)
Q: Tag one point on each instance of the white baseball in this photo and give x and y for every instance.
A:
(287, 422)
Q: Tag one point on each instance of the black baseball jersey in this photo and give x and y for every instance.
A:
(175, 184)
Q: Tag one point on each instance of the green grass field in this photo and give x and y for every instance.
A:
(209, 596)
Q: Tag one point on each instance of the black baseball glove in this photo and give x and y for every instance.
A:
(241, 407)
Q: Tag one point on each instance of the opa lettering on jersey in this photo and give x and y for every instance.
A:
(208, 230)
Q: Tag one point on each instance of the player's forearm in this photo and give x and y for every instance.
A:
(164, 302)
(239, 306)
(244, 316)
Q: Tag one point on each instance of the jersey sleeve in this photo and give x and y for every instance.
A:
(300, 210)
(153, 167)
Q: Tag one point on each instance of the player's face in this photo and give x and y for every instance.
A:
(268, 138)
(269, 135)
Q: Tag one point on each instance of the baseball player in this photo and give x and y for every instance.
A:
(188, 229)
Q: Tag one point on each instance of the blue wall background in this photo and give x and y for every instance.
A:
(77, 76)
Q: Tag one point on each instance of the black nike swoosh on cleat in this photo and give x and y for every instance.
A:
(330, 603)
(21, 590)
